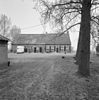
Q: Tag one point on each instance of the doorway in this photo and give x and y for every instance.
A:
(34, 49)
(40, 49)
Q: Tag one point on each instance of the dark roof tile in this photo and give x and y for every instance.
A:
(42, 39)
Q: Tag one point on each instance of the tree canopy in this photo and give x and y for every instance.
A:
(64, 14)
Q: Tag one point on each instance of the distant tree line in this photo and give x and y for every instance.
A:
(7, 29)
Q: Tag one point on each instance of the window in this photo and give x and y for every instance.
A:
(62, 47)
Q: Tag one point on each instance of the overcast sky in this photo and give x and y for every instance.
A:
(24, 16)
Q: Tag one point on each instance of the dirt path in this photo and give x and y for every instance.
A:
(25, 79)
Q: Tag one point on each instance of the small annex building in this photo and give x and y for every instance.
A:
(3, 51)
(43, 43)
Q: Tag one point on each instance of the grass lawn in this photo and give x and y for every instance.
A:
(48, 78)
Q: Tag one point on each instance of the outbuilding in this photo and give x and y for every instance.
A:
(3, 51)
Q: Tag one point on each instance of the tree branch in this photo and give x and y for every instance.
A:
(95, 3)
(95, 17)
(69, 28)
(67, 3)
(71, 19)
(94, 8)
(65, 31)
(95, 21)
(69, 12)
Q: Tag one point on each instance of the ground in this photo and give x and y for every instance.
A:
(47, 77)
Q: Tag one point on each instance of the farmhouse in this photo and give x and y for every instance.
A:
(43, 43)
(3, 51)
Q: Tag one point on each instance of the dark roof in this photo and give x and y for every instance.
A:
(3, 38)
(42, 39)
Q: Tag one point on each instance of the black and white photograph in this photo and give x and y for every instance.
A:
(49, 49)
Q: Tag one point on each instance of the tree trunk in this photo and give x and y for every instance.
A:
(85, 39)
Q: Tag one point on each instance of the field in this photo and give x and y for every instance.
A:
(47, 77)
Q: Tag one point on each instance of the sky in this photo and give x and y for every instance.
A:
(24, 16)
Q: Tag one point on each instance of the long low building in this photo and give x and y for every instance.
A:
(42, 43)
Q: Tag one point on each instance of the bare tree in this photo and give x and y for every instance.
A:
(14, 31)
(5, 24)
(67, 14)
